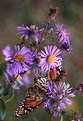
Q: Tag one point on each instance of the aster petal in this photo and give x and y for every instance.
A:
(17, 66)
(68, 101)
(7, 52)
(35, 71)
(61, 106)
(24, 50)
(6, 76)
(43, 54)
(66, 86)
(47, 104)
(46, 50)
(27, 59)
(50, 49)
(43, 60)
(57, 52)
(10, 69)
(41, 29)
(17, 48)
(36, 37)
(25, 66)
(20, 81)
(71, 95)
(62, 34)
(54, 50)
(18, 28)
(56, 114)
(26, 79)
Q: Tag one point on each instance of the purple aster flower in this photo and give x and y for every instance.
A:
(26, 32)
(51, 58)
(57, 95)
(35, 72)
(77, 117)
(19, 58)
(48, 96)
(14, 85)
(63, 35)
(22, 79)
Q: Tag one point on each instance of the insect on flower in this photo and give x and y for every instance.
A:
(56, 75)
(34, 98)
(36, 94)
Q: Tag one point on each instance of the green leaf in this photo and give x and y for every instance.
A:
(1, 90)
(10, 98)
(6, 88)
(33, 119)
(2, 109)
(61, 118)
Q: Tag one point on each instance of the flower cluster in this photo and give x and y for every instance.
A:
(32, 55)
(27, 32)
(63, 37)
(76, 117)
(56, 97)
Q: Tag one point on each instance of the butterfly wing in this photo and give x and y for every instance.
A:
(28, 105)
(52, 75)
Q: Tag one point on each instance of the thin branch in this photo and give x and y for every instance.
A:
(51, 117)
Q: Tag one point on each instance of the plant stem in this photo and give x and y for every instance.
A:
(51, 117)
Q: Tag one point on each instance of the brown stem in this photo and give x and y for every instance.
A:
(51, 117)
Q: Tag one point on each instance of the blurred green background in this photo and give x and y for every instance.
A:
(18, 12)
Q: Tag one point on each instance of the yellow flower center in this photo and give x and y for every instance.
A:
(17, 57)
(51, 58)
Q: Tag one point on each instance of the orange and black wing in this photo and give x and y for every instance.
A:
(52, 75)
(28, 105)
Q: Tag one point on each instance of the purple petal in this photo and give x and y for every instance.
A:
(69, 102)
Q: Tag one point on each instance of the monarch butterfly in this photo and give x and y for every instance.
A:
(34, 98)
